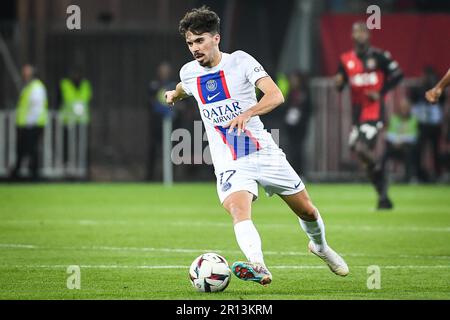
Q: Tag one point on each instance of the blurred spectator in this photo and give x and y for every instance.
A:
(158, 111)
(283, 83)
(296, 117)
(74, 96)
(430, 117)
(401, 139)
(31, 118)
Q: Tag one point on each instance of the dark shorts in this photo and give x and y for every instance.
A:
(366, 133)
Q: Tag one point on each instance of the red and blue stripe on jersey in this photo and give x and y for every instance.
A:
(241, 145)
(212, 87)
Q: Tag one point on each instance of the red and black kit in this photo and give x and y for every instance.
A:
(373, 71)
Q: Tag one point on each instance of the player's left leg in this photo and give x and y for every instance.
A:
(364, 147)
(312, 223)
(376, 173)
(278, 177)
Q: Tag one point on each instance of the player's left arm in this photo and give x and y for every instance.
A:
(392, 71)
(271, 99)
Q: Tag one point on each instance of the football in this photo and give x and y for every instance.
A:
(210, 273)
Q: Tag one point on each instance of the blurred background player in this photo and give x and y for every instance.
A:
(243, 153)
(31, 118)
(401, 139)
(371, 73)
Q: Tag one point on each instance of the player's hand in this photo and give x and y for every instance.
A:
(433, 95)
(373, 95)
(339, 80)
(170, 97)
(239, 122)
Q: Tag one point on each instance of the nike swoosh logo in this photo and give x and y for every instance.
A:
(297, 185)
(210, 98)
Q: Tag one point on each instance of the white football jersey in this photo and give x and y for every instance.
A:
(222, 93)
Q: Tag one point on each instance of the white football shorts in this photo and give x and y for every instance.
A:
(271, 170)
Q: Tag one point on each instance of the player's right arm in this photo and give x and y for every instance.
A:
(178, 94)
(340, 79)
(433, 94)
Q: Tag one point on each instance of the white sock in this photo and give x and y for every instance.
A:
(249, 241)
(315, 231)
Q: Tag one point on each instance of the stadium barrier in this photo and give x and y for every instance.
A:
(52, 164)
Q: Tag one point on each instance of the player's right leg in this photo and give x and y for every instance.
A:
(238, 204)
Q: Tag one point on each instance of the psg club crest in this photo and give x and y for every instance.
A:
(371, 63)
(211, 85)
(226, 186)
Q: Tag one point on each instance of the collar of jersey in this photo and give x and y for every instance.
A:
(218, 66)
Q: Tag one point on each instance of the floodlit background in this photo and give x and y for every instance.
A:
(122, 45)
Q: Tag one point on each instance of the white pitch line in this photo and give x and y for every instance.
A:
(189, 250)
(368, 228)
(12, 245)
(331, 226)
(288, 267)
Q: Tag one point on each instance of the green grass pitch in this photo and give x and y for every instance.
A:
(136, 241)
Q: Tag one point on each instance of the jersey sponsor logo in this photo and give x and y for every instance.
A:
(241, 145)
(364, 79)
(212, 87)
(222, 113)
(258, 69)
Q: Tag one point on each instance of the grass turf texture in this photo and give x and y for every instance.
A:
(136, 241)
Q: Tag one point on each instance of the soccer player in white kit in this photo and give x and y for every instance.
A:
(243, 152)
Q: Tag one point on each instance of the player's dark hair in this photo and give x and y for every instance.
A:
(360, 24)
(200, 20)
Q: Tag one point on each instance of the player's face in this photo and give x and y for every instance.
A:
(204, 47)
(360, 35)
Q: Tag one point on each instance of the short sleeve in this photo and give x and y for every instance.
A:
(389, 65)
(253, 69)
(184, 84)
